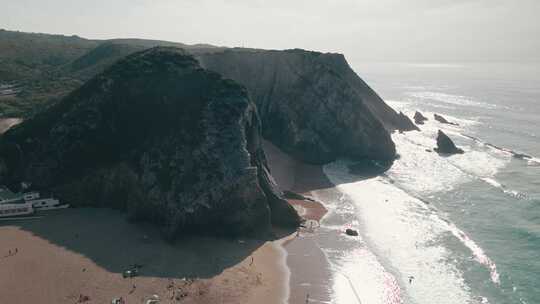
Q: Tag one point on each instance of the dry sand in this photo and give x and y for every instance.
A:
(77, 252)
(294, 175)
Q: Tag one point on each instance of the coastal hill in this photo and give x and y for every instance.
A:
(160, 137)
(48, 67)
(312, 105)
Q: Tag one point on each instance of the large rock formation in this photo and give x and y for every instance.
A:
(419, 119)
(445, 145)
(157, 136)
(312, 105)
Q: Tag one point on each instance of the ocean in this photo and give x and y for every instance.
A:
(444, 229)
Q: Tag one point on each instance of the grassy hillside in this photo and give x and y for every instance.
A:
(47, 67)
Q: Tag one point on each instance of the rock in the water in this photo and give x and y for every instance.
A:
(521, 155)
(443, 120)
(312, 105)
(404, 123)
(351, 232)
(445, 145)
(160, 137)
(419, 119)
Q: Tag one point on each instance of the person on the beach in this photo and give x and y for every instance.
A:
(132, 289)
(411, 278)
(307, 298)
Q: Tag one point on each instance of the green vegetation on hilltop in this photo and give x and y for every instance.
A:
(48, 67)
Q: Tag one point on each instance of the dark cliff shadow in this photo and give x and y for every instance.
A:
(312, 177)
(309, 178)
(366, 169)
(108, 239)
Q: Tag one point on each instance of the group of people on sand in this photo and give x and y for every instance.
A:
(310, 229)
(12, 252)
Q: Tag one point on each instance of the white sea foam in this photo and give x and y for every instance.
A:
(421, 171)
(496, 184)
(405, 233)
(534, 161)
(404, 230)
(359, 276)
(362, 279)
(493, 182)
(477, 252)
(478, 163)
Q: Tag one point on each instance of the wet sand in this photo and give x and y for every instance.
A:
(77, 252)
(310, 272)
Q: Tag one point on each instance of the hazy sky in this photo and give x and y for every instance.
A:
(364, 30)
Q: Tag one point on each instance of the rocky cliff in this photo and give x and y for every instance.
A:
(160, 137)
(312, 105)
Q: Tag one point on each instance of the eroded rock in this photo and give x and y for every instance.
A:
(445, 145)
(160, 137)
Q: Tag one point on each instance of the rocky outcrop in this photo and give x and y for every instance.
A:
(443, 120)
(160, 137)
(312, 105)
(351, 232)
(445, 145)
(419, 119)
(404, 123)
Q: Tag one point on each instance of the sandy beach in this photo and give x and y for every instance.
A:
(76, 253)
(79, 255)
(310, 272)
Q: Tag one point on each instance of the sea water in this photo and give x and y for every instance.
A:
(444, 229)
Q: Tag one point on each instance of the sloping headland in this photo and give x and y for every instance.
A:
(188, 143)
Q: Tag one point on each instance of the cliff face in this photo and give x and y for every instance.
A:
(312, 105)
(160, 137)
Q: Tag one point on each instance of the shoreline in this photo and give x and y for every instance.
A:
(310, 274)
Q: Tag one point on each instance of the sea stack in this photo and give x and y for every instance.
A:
(160, 137)
(443, 120)
(419, 119)
(445, 145)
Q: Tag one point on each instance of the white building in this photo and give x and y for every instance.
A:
(15, 204)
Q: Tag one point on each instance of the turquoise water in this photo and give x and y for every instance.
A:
(466, 227)
(503, 101)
